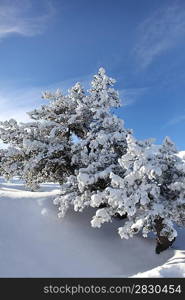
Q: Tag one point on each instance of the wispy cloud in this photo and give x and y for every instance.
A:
(130, 96)
(16, 17)
(175, 120)
(16, 102)
(163, 30)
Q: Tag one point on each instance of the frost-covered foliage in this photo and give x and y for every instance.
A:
(2, 154)
(151, 192)
(97, 153)
(40, 151)
(45, 149)
(33, 152)
(12, 160)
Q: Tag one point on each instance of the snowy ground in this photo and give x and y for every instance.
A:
(35, 243)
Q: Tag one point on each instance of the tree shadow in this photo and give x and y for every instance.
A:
(177, 260)
(76, 248)
(125, 257)
(16, 185)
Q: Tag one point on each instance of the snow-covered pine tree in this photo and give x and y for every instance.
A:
(97, 154)
(103, 167)
(152, 191)
(40, 151)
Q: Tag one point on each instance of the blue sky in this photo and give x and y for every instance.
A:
(50, 44)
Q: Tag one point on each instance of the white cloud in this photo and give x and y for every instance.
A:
(16, 102)
(130, 96)
(163, 30)
(175, 120)
(16, 17)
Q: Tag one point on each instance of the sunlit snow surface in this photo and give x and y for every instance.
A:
(35, 243)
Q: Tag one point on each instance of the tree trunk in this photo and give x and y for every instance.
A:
(102, 205)
(162, 241)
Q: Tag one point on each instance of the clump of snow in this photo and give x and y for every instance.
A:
(174, 267)
(181, 154)
(44, 212)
